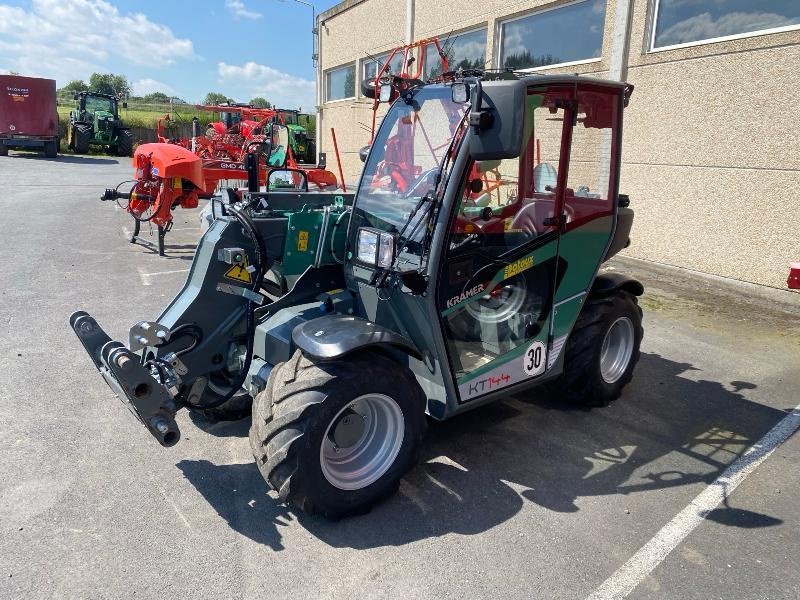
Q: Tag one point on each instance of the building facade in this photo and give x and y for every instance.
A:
(711, 155)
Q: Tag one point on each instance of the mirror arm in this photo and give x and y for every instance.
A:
(479, 119)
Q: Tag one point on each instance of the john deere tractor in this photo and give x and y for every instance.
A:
(96, 122)
(465, 268)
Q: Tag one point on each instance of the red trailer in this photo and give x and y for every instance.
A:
(28, 115)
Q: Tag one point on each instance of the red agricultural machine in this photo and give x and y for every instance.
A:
(246, 145)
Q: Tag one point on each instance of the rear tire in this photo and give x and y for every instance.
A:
(308, 407)
(602, 350)
(81, 137)
(51, 149)
(124, 142)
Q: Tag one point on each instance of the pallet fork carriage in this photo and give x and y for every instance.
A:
(465, 267)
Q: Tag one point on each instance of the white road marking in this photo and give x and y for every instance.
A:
(649, 556)
(147, 277)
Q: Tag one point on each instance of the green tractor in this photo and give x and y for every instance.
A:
(303, 145)
(96, 122)
(465, 268)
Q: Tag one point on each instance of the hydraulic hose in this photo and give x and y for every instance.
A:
(260, 264)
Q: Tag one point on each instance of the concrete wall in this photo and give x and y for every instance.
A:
(711, 158)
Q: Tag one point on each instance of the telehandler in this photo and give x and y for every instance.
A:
(462, 270)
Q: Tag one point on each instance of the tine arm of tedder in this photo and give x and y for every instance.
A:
(148, 399)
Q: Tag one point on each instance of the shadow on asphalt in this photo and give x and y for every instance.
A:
(670, 428)
(71, 159)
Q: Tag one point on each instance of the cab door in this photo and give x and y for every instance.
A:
(501, 262)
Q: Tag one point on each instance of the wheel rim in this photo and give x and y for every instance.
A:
(617, 349)
(369, 432)
(499, 305)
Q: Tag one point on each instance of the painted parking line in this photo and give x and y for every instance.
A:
(147, 278)
(653, 553)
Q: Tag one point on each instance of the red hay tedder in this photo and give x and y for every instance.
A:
(174, 173)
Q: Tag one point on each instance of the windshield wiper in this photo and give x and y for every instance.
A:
(380, 278)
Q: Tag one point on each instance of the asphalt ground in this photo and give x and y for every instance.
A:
(526, 498)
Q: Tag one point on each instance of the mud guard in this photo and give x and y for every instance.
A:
(334, 336)
(606, 284)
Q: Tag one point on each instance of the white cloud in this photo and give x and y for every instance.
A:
(68, 39)
(148, 86)
(238, 9)
(282, 89)
(703, 26)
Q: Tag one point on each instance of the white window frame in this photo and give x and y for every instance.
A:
(325, 73)
(498, 44)
(725, 38)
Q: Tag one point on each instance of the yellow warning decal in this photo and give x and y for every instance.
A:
(239, 272)
(302, 241)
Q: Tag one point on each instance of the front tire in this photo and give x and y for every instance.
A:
(335, 437)
(236, 408)
(602, 350)
(124, 142)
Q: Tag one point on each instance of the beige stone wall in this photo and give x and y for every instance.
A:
(711, 158)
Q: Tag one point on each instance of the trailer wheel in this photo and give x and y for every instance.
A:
(81, 137)
(335, 437)
(51, 149)
(3, 149)
(124, 142)
(602, 350)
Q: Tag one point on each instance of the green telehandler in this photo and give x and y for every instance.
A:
(96, 122)
(465, 268)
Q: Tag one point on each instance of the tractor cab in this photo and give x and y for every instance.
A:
(464, 268)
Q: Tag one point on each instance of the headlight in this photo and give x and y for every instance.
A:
(375, 247)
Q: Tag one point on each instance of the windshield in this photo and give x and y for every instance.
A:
(98, 103)
(405, 159)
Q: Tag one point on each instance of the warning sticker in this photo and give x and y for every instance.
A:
(239, 272)
(302, 241)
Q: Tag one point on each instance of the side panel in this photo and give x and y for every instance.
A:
(28, 106)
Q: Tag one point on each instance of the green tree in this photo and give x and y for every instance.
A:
(76, 85)
(156, 98)
(109, 83)
(216, 98)
(260, 102)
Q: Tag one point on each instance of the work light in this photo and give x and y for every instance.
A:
(375, 247)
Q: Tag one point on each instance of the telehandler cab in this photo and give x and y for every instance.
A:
(463, 269)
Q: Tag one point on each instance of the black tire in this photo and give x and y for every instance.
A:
(124, 142)
(3, 149)
(51, 149)
(235, 409)
(292, 415)
(582, 382)
(81, 137)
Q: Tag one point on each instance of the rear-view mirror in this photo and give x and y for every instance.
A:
(364, 153)
(498, 121)
(290, 180)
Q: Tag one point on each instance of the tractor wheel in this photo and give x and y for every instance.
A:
(81, 137)
(335, 437)
(238, 407)
(51, 149)
(3, 149)
(124, 142)
(602, 350)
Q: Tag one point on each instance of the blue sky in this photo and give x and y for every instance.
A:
(242, 48)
